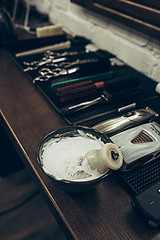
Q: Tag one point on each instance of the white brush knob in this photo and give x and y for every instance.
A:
(109, 157)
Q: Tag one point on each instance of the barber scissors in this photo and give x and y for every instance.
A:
(46, 73)
(34, 65)
(63, 54)
(50, 58)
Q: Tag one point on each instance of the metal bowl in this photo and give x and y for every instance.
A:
(69, 185)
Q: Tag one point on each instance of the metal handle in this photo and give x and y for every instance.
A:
(82, 105)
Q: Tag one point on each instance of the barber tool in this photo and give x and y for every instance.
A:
(61, 68)
(74, 86)
(49, 58)
(110, 93)
(49, 53)
(33, 65)
(83, 105)
(78, 92)
(55, 47)
(139, 145)
(147, 204)
(78, 53)
(85, 62)
(95, 78)
(47, 74)
(105, 113)
(127, 120)
(109, 157)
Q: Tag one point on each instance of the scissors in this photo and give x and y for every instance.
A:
(50, 58)
(46, 73)
(34, 65)
(63, 54)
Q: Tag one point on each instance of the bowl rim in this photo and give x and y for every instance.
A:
(65, 181)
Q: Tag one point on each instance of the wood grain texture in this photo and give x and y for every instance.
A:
(23, 212)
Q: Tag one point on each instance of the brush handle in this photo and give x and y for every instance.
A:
(109, 157)
(79, 92)
(73, 86)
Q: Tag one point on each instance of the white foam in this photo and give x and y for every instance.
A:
(61, 158)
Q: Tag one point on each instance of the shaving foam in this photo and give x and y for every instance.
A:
(61, 157)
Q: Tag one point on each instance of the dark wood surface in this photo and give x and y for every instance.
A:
(23, 213)
(103, 213)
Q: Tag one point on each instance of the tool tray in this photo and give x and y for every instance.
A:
(138, 179)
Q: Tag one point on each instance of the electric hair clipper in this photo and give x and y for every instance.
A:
(138, 145)
(126, 121)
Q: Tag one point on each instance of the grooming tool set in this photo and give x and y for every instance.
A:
(92, 88)
(108, 93)
(86, 87)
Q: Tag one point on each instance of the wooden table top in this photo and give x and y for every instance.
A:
(102, 213)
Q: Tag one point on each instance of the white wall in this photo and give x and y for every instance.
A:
(136, 49)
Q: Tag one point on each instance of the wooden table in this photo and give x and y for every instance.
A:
(103, 213)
